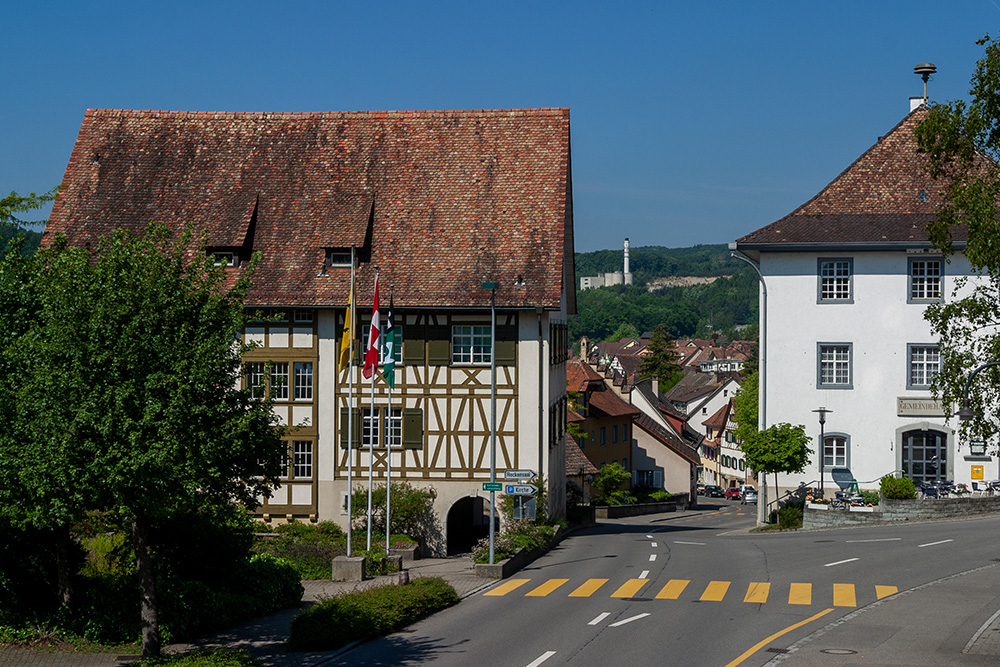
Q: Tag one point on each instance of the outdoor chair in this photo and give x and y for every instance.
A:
(981, 488)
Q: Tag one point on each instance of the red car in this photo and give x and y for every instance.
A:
(733, 493)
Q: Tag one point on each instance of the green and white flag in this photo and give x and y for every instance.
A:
(389, 351)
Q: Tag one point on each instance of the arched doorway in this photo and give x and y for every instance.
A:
(925, 455)
(468, 522)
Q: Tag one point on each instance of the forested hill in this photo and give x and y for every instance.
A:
(694, 310)
(31, 239)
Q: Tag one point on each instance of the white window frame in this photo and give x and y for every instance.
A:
(255, 378)
(837, 361)
(470, 344)
(836, 280)
(925, 279)
(923, 360)
(394, 428)
(279, 381)
(302, 459)
(836, 450)
(303, 380)
(367, 415)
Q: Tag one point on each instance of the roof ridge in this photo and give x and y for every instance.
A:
(264, 115)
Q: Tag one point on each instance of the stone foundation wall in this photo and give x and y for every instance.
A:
(900, 511)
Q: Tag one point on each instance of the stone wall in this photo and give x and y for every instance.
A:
(619, 511)
(890, 511)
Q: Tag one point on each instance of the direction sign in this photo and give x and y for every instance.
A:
(515, 475)
(521, 489)
(492, 486)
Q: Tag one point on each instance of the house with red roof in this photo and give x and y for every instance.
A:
(440, 204)
(848, 276)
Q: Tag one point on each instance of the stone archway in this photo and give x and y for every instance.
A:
(468, 522)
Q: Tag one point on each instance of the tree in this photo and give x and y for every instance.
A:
(607, 487)
(127, 393)
(962, 143)
(779, 448)
(624, 330)
(746, 408)
(662, 363)
(11, 226)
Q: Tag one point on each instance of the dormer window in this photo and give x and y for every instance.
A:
(225, 258)
(337, 258)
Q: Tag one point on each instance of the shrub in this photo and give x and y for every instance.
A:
(871, 497)
(217, 658)
(412, 511)
(607, 486)
(898, 488)
(789, 517)
(517, 535)
(366, 614)
(309, 548)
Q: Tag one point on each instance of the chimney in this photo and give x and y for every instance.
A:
(915, 102)
(626, 257)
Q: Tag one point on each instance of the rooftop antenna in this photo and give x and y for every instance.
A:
(925, 70)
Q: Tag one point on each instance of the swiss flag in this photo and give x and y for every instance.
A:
(371, 353)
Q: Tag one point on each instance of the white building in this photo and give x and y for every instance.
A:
(623, 277)
(848, 275)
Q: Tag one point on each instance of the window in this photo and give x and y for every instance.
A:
(835, 451)
(254, 376)
(279, 381)
(302, 459)
(614, 434)
(303, 315)
(835, 280)
(397, 352)
(303, 380)
(925, 280)
(369, 427)
(925, 363)
(625, 463)
(470, 344)
(337, 257)
(834, 366)
(604, 435)
(394, 428)
(225, 259)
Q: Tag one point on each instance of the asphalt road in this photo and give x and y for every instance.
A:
(698, 589)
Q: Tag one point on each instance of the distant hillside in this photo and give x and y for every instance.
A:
(695, 307)
(31, 239)
(648, 262)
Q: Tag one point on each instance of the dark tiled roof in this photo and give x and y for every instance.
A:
(576, 462)
(718, 420)
(884, 197)
(681, 448)
(609, 404)
(441, 201)
(579, 375)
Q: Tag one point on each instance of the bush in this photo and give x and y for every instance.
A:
(897, 488)
(412, 512)
(518, 535)
(607, 486)
(366, 614)
(217, 658)
(789, 517)
(309, 548)
(871, 497)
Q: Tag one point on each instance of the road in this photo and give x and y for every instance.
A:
(698, 589)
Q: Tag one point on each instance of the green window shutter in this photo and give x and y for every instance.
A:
(356, 428)
(359, 354)
(413, 352)
(506, 346)
(438, 346)
(413, 428)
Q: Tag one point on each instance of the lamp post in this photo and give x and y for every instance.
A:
(822, 444)
(966, 413)
(492, 287)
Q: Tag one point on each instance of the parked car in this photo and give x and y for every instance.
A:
(733, 493)
(749, 497)
(745, 488)
(713, 491)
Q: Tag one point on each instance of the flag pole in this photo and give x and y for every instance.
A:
(371, 363)
(349, 325)
(389, 370)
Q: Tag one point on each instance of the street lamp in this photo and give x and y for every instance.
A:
(822, 444)
(492, 287)
(966, 413)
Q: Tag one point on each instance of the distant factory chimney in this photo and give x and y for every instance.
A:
(626, 273)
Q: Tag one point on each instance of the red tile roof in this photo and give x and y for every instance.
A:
(576, 462)
(608, 404)
(441, 201)
(884, 197)
(579, 375)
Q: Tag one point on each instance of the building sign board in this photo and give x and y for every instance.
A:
(918, 407)
(521, 489)
(514, 475)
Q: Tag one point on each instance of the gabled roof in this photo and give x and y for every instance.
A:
(607, 403)
(579, 375)
(885, 198)
(441, 201)
(718, 420)
(681, 448)
(576, 461)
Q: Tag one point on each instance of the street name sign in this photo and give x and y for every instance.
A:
(515, 475)
(492, 486)
(521, 489)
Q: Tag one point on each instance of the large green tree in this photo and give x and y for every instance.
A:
(127, 393)
(778, 448)
(12, 225)
(662, 363)
(962, 143)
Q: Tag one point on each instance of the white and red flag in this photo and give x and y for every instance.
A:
(374, 345)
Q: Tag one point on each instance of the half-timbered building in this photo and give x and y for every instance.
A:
(440, 204)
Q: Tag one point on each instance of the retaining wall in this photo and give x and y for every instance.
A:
(619, 511)
(890, 511)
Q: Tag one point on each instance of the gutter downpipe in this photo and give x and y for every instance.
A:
(762, 386)
(541, 400)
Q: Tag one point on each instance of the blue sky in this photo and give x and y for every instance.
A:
(692, 122)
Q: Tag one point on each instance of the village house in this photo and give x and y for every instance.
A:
(452, 209)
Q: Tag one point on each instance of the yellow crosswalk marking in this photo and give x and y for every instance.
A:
(843, 595)
(546, 588)
(800, 594)
(673, 589)
(757, 592)
(885, 591)
(505, 588)
(588, 588)
(630, 588)
(715, 591)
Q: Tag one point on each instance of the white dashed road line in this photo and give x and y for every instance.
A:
(542, 658)
(652, 557)
(700, 544)
(599, 618)
(628, 620)
(645, 573)
(840, 562)
(934, 544)
(883, 539)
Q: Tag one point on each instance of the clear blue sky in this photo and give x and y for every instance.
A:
(692, 122)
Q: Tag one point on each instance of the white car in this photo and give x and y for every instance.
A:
(745, 488)
(749, 497)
